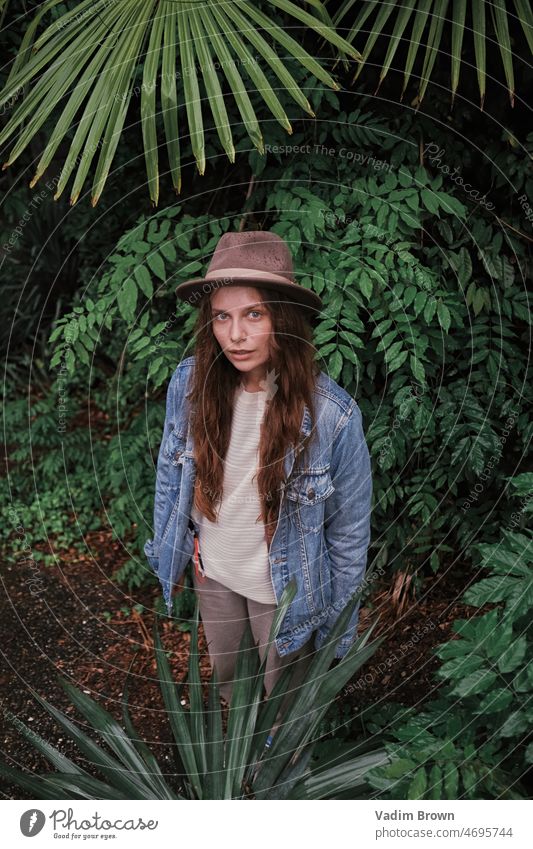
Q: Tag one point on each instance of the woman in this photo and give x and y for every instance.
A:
(263, 472)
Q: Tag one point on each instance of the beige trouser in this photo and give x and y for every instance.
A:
(224, 614)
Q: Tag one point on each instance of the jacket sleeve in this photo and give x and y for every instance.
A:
(347, 523)
(162, 503)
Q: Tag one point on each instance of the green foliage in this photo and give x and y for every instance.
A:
(209, 765)
(474, 740)
(47, 498)
(425, 323)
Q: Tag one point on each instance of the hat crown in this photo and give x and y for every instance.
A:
(256, 250)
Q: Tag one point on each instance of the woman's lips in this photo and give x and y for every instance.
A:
(241, 356)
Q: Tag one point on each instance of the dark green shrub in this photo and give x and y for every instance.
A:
(474, 740)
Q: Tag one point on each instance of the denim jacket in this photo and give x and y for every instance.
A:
(323, 528)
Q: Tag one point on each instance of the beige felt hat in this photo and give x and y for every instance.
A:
(256, 258)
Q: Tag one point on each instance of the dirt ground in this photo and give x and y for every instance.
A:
(61, 628)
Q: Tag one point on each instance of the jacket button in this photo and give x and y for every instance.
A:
(310, 493)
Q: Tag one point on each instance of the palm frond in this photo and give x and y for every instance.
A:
(430, 19)
(86, 62)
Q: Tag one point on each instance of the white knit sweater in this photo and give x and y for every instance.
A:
(234, 549)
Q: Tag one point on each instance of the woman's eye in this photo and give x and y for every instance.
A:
(224, 314)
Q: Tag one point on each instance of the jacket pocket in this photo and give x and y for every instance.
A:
(307, 494)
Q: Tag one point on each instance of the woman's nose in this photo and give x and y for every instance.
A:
(235, 333)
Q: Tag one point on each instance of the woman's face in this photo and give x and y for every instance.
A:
(240, 321)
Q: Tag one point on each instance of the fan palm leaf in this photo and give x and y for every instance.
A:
(86, 62)
(428, 20)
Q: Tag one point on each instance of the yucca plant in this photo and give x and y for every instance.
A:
(209, 764)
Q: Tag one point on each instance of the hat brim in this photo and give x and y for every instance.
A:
(192, 291)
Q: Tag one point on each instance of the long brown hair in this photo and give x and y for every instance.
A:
(292, 359)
